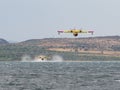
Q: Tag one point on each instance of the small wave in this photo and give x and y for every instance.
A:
(117, 80)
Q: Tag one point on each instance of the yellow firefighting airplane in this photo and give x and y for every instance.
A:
(75, 31)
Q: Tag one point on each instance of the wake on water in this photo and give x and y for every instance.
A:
(54, 58)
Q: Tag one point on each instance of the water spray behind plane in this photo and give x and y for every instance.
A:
(42, 58)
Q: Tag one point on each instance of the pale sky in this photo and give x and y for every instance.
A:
(35, 19)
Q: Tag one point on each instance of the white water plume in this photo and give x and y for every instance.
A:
(26, 58)
(57, 58)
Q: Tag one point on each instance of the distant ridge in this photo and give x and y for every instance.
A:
(109, 43)
(112, 37)
(3, 41)
(89, 48)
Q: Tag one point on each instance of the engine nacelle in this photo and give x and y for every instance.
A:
(75, 34)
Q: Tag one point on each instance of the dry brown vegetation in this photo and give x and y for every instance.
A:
(108, 45)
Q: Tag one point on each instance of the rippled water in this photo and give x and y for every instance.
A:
(59, 75)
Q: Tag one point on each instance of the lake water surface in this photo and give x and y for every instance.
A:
(60, 75)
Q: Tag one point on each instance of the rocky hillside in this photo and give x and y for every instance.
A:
(108, 43)
(91, 48)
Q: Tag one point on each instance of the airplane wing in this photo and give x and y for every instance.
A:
(86, 31)
(75, 31)
(64, 31)
(60, 31)
(71, 31)
(91, 32)
(82, 31)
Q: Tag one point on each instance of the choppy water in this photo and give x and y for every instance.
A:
(59, 75)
